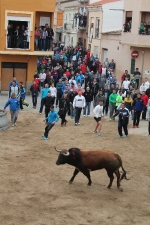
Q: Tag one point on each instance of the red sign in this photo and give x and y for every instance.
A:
(134, 54)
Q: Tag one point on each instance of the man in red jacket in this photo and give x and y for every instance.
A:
(83, 68)
(88, 54)
(145, 103)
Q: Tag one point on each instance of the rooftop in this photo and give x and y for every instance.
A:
(102, 2)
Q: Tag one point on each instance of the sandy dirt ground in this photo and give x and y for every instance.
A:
(35, 191)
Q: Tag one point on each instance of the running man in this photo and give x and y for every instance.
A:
(51, 120)
(98, 113)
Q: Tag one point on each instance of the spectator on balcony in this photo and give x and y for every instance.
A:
(84, 20)
(28, 36)
(21, 36)
(148, 28)
(9, 36)
(44, 35)
(36, 38)
(40, 38)
(142, 28)
(24, 38)
(16, 38)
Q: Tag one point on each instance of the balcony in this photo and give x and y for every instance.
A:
(135, 40)
(59, 29)
(68, 27)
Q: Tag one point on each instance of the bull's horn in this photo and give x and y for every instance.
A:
(66, 154)
(57, 150)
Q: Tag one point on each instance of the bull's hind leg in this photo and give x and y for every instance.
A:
(76, 171)
(118, 178)
(110, 174)
(87, 174)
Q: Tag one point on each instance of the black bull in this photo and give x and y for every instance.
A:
(85, 160)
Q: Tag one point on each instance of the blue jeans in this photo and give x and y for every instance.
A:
(44, 44)
(72, 111)
(87, 106)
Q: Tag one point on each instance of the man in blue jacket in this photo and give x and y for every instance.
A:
(137, 107)
(14, 107)
(43, 96)
(51, 120)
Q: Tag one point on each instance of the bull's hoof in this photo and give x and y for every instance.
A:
(121, 189)
(70, 182)
(89, 184)
(108, 186)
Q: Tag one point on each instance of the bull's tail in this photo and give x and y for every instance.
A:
(123, 176)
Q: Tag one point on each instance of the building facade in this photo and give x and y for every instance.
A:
(74, 29)
(15, 60)
(118, 35)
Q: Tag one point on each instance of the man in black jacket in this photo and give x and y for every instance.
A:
(48, 102)
(106, 94)
(88, 99)
(71, 96)
(63, 109)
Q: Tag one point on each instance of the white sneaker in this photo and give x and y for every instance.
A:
(40, 113)
(84, 115)
(75, 124)
(78, 123)
(15, 124)
(88, 115)
(12, 125)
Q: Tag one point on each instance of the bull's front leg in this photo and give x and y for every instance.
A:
(87, 174)
(76, 171)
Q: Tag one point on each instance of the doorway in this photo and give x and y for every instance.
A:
(10, 70)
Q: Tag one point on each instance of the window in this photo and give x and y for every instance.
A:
(97, 28)
(132, 66)
(18, 32)
(144, 28)
(128, 21)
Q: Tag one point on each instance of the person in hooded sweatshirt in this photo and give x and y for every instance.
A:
(63, 108)
(88, 98)
(51, 120)
(94, 88)
(99, 97)
(137, 108)
(14, 108)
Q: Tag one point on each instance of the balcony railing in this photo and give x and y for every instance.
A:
(83, 1)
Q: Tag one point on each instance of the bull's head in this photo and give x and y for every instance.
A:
(63, 156)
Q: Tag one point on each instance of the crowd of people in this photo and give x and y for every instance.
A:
(73, 80)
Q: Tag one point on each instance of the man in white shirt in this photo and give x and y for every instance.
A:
(78, 104)
(147, 83)
(143, 87)
(98, 113)
(42, 77)
(126, 83)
